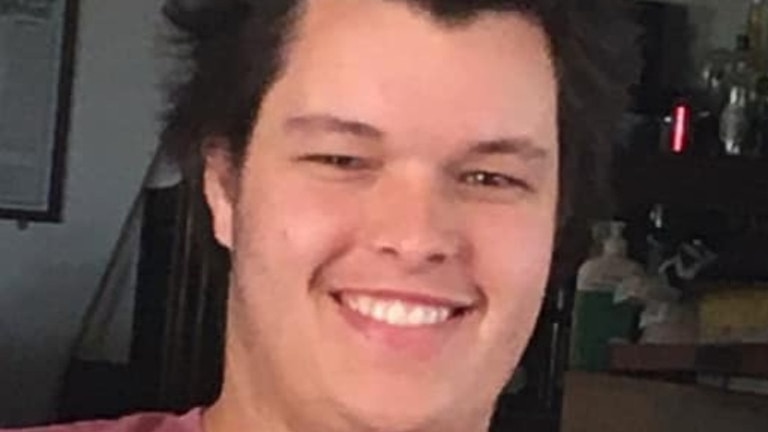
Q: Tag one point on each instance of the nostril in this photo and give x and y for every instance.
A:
(414, 255)
(437, 258)
(388, 250)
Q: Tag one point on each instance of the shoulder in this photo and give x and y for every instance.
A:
(146, 422)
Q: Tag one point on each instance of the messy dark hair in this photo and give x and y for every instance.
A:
(231, 51)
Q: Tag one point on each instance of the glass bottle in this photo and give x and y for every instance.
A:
(734, 122)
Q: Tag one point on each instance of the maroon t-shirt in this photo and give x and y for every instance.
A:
(150, 422)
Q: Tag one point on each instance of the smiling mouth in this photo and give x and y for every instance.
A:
(398, 312)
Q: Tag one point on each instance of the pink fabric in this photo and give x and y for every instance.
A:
(149, 422)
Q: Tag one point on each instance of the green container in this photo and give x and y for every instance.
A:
(597, 321)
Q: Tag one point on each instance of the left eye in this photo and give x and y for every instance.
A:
(492, 180)
(343, 162)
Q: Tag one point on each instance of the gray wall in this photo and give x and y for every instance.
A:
(48, 273)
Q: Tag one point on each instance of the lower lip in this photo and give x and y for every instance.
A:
(422, 342)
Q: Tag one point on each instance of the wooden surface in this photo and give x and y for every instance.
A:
(605, 403)
(738, 360)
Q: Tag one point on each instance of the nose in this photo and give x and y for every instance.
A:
(413, 222)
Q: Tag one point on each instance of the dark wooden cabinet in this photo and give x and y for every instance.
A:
(728, 184)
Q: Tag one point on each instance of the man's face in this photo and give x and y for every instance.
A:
(393, 222)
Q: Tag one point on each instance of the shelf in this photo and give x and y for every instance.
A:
(747, 360)
(601, 402)
(729, 184)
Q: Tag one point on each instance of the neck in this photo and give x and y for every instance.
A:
(237, 411)
(243, 405)
(230, 414)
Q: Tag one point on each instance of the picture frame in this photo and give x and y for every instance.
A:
(37, 57)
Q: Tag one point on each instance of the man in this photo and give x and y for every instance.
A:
(389, 178)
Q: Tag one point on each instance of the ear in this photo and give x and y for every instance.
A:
(220, 188)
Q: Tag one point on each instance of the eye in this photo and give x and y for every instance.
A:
(492, 180)
(342, 162)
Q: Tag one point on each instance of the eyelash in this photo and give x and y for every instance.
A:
(492, 180)
(476, 178)
(342, 162)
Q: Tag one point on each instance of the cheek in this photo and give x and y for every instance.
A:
(512, 261)
(295, 228)
(285, 234)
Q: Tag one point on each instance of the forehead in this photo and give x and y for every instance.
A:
(383, 61)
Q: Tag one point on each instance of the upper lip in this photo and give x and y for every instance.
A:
(409, 296)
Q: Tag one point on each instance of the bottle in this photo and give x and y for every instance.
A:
(742, 71)
(722, 69)
(734, 122)
(757, 32)
(759, 139)
(597, 318)
(657, 238)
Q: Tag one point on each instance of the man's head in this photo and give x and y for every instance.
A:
(388, 177)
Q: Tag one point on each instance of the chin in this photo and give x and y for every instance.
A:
(406, 411)
(395, 417)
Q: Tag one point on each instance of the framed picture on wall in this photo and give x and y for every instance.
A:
(37, 48)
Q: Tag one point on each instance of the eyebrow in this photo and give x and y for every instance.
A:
(522, 147)
(332, 124)
(518, 146)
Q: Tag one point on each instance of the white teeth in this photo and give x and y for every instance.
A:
(417, 316)
(365, 304)
(430, 315)
(396, 312)
(443, 314)
(379, 312)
